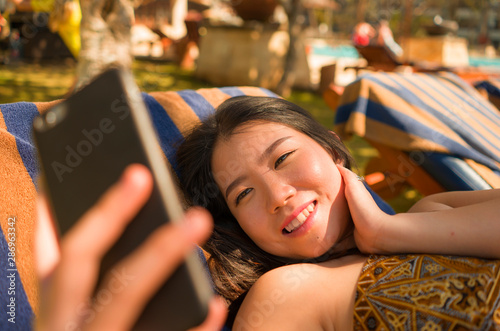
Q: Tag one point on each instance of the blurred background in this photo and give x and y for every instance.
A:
(297, 48)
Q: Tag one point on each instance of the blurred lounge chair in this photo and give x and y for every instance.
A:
(434, 132)
(381, 58)
(378, 58)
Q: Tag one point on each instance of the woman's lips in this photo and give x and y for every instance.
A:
(299, 217)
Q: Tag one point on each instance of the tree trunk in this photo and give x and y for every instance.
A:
(407, 19)
(483, 27)
(285, 85)
(361, 11)
(106, 37)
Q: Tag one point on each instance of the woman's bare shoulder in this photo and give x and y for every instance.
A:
(279, 300)
(302, 296)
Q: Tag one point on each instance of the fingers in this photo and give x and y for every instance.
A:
(83, 246)
(368, 219)
(128, 287)
(361, 203)
(354, 186)
(216, 316)
(134, 280)
(46, 245)
(108, 218)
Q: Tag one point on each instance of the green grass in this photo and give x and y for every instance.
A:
(164, 76)
(35, 82)
(47, 82)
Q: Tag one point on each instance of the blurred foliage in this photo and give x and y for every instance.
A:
(344, 17)
(47, 82)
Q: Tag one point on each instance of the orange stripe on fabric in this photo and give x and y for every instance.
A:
(474, 97)
(390, 136)
(430, 92)
(352, 92)
(418, 113)
(486, 173)
(379, 94)
(214, 96)
(17, 199)
(384, 134)
(403, 82)
(255, 91)
(454, 107)
(356, 124)
(179, 111)
(391, 79)
(182, 114)
(436, 97)
(3, 126)
(469, 100)
(44, 106)
(486, 127)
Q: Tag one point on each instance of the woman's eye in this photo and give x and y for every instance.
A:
(242, 195)
(282, 158)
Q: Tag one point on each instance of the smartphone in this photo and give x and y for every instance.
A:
(84, 143)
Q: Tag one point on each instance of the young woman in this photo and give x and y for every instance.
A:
(294, 227)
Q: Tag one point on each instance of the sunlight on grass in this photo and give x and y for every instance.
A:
(35, 82)
(6, 92)
(313, 103)
(361, 151)
(404, 201)
(161, 76)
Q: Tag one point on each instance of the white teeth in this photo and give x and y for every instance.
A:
(300, 219)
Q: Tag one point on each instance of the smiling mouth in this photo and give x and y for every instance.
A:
(300, 219)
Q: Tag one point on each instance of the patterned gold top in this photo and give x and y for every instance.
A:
(427, 292)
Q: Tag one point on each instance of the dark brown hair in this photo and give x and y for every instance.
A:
(235, 261)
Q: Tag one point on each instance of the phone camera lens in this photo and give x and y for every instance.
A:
(51, 118)
(38, 123)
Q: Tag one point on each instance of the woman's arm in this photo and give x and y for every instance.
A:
(457, 223)
(448, 200)
(472, 230)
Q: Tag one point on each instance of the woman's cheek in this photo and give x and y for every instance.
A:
(314, 172)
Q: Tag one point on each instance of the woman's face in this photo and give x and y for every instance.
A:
(283, 188)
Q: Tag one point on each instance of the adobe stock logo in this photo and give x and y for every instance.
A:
(91, 139)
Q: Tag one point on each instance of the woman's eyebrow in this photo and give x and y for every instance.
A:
(233, 184)
(269, 150)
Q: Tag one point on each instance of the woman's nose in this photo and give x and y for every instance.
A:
(279, 194)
